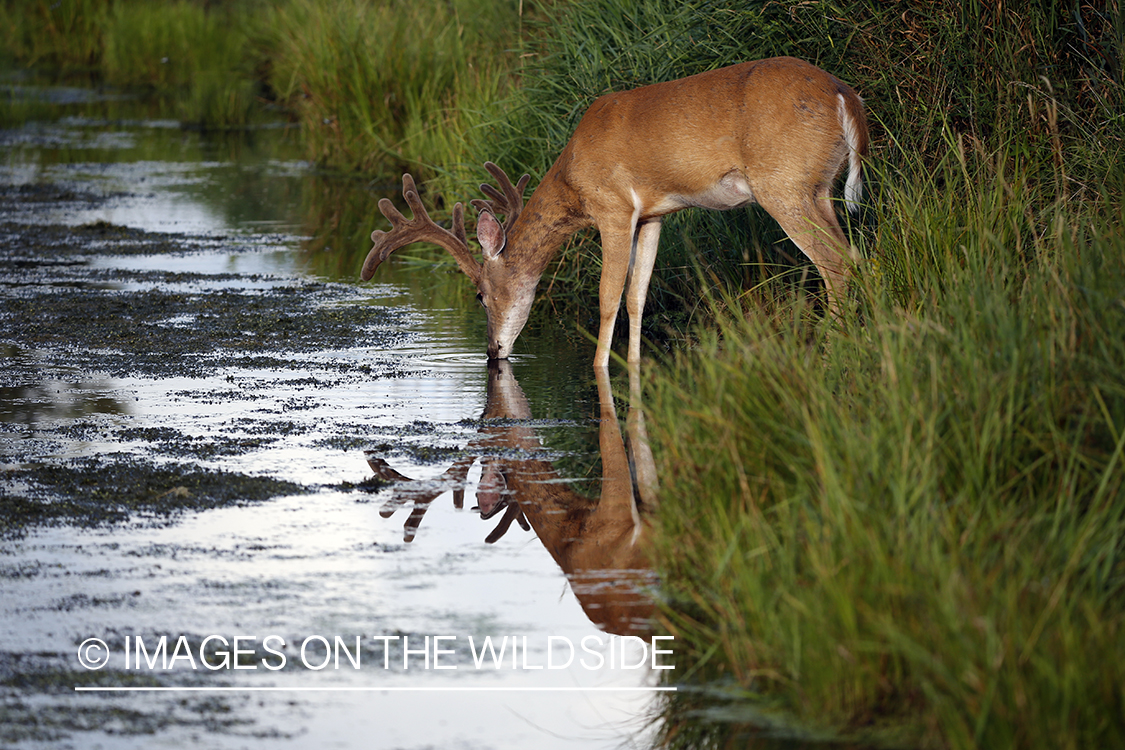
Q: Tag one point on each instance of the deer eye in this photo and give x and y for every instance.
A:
(480, 298)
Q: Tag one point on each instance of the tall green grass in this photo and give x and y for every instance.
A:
(56, 33)
(378, 86)
(200, 59)
(907, 527)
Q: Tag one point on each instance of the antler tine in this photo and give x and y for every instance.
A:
(419, 229)
(508, 200)
(459, 224)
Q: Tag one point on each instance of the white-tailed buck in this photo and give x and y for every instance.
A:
(776, 132)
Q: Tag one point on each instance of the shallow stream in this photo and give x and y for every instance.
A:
(208, 432)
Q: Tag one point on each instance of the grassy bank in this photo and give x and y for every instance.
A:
(378, 86)
(199, 59)
(914, 518)
(913, 530)
(904, 528)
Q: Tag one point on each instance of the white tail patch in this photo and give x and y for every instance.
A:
(853, 188)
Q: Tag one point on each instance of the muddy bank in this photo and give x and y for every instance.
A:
(76, 320)
(122, 321)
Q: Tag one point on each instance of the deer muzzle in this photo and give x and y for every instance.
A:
(497, 350)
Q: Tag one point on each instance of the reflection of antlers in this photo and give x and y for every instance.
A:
(419, 229)
(508, 200)
(513, 513)
(420, 492)
(423, 492)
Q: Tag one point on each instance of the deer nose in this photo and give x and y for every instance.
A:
(496, 350)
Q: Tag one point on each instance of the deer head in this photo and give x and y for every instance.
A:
(504, 289)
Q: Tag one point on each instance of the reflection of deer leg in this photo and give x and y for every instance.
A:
(640, 453)
(617, 478)
(458, 473)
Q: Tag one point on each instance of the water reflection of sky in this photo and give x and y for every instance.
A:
(157, 197)
(319, 564)
(158, 176)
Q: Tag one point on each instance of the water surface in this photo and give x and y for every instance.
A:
(251, 222)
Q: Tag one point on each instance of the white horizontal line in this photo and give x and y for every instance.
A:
(388, 689)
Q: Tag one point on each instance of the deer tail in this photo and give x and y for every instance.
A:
(853, 121)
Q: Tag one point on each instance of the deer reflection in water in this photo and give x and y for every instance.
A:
(600, 542)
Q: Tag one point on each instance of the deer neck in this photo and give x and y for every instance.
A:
(553, 213)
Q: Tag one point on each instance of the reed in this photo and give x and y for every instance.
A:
(198, 58)
(375, 86)
(65, 34)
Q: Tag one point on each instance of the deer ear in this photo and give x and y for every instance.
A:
(490, 235)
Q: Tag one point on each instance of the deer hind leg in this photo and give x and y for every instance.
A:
(811, 224)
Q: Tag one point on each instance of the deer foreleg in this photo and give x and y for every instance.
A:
(617, 248)
(644, 258)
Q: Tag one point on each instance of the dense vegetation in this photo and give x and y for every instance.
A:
(904, 527)
(374, 85)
